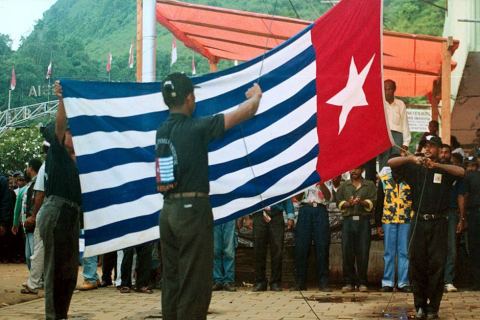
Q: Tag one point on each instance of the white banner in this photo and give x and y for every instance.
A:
(418, 119)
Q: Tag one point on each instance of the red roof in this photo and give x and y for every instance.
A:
(413, 61)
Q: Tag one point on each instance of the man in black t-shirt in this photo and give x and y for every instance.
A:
(472, 189)
(186, 220)
(60, 212)
(431, 184)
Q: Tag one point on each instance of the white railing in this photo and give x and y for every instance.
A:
(19, 116)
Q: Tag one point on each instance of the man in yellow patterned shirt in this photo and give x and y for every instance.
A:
(392, 216)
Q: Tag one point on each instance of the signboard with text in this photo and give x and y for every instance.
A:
(418, 119)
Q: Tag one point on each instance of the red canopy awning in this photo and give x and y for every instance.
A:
(413, 61)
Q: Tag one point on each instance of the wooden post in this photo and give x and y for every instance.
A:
(446, 112)
(213, 66)
(139, 40)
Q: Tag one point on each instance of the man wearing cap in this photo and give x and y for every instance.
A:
(59, 224)
(472, 189)
(186, 220)
(431, 183)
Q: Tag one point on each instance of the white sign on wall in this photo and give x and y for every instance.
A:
(418, 119)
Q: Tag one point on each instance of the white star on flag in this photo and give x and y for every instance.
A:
(352, 95)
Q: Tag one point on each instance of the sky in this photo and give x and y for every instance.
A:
(17, 17)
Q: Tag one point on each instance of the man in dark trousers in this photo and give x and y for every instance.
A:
(472, 188)
(59, 226)
(186, 220)
(431, 183)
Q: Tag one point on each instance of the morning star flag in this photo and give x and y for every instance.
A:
(321, 114)
(109, 62)
(13, 79)
(49, 71)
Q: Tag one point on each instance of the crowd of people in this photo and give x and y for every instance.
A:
(418, 203)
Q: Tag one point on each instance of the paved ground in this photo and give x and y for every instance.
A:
(109, 304)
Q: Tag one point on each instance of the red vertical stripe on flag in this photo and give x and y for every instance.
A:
(351, 121)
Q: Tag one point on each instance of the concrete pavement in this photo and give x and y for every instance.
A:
(109, 304)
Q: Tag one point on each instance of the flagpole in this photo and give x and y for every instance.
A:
(9, 97)
(48, 91)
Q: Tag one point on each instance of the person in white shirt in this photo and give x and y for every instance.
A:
(396, 113)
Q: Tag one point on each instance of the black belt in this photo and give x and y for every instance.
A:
(431, 217)
(312, 204)
(180, 195)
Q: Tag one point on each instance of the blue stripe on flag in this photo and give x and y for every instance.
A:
(265, 152)
(127, 192)
(261, 183)
(311, 180)
(268, 81)
(145, 122)
(120, 228)
(106, 90)
(267, 118)
(110, 158)
(150, 121)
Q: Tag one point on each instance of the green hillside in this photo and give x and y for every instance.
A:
(78, 35)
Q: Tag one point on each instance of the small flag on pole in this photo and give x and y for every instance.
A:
(194, 69)
(49, 71)
(109, 62)
(174, 51)
(13, 80)
(130, 57)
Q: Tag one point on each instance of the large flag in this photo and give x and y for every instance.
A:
(49, 71)
(13, 79)
(174, 52)
(321, 114)
(109, 62)
(130, 57)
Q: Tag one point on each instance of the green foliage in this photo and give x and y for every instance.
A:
(18, 146)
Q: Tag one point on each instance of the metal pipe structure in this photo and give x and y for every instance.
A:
(149, 42)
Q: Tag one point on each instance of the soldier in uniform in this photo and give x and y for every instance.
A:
(186, 221)
(431, 183)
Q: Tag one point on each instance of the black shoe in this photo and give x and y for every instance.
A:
(217, 286)
(386, 289)
(230, 287)
(104, 284)
(432, 315)
(275, 287)
(262, 286)
(324, 288)
(420, 314)
(406, 289)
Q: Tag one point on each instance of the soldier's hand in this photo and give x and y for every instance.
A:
(58, 90)
(254, 92)
(14, 230)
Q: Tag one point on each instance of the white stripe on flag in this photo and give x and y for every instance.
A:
(118, 212)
